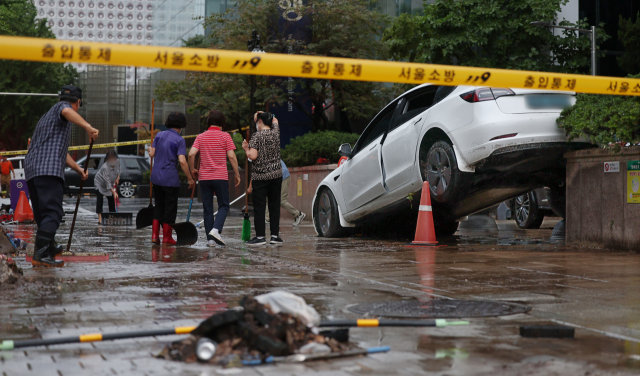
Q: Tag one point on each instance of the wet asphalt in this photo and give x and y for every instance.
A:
(144, 286)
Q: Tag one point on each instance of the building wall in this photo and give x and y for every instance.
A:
(597, 209)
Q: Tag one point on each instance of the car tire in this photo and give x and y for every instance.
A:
(126, 189)
(526, 211)
(325, 215)
(440, 169)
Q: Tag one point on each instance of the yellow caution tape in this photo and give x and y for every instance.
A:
(103, 146)
(368, 322)
(91, 337)
(225, 61)
(184, 329)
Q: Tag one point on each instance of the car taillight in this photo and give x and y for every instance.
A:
(485, 94)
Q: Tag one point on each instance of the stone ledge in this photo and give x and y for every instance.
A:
(624, 152)
(313, 168)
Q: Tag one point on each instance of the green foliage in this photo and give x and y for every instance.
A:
(629, 36)
(146, 176)
(329, 36)
(240, 154)
(20, 114)
(604, 118)
(305, 150)
(492, 34)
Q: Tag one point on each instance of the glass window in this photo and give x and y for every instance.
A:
(16, 163)
(416, 104)
(130, 163)
(144, 164)
(93, 162)
(376, 129)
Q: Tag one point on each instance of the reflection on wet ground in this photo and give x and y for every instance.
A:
(145, 286)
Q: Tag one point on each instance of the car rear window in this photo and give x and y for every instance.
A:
(443, 92)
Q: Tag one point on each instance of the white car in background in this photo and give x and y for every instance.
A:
(18, 166)
(477, 146)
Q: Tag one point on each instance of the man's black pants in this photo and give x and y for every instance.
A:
(100, 203)
(166, 208)
(263, 190)
(46, 193)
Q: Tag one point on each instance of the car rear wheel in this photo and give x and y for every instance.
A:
(440, 169)
(126, 189)
(526, 211)
(325, 213)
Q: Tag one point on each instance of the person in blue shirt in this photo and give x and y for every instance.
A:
(169, 149)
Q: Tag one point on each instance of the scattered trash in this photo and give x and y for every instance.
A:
(9, 271)
(205, 349)
(314, 348)
(255, 334)
(286, 302)
(547, 331)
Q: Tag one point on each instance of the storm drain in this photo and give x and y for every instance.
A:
(438, 309)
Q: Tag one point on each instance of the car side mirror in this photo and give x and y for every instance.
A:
(345, 151)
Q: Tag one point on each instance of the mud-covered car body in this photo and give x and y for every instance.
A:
(477, 146)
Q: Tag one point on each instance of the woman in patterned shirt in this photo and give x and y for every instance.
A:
(266, 176)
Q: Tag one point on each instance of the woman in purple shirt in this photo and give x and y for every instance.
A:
(168, 149)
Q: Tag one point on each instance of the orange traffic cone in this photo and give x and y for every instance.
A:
(23, 211)
(425, 232)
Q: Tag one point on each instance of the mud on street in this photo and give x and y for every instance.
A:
(151, 287)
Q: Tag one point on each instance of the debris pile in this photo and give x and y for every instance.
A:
(9, 271)
(252, 333)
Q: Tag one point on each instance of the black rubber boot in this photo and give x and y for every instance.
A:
(44, 250)
(56, 249)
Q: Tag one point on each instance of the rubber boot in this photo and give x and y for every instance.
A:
(167, 234)
(43, 254)
(155, 234)
(56, 249)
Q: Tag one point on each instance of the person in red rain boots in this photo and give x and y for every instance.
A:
(168, 149)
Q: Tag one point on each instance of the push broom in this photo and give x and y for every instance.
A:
(75, 212)
(246, 224)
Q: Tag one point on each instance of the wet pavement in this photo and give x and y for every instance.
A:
(150, 287)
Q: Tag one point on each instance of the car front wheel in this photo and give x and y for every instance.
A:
(325, 213)
(440, 169)
(126, 189)
(526, 211)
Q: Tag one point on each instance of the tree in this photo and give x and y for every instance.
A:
(629, 36)
(337, 28)
(604, 119)
(492, 34)
(20, 114)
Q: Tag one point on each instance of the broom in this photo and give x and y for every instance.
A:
(246, 224)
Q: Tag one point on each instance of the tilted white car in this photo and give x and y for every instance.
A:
(477, 146)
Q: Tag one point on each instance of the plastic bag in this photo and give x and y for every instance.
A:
(282, 301)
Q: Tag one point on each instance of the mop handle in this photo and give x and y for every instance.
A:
(75, 213)
(232, 202)
(192, 192)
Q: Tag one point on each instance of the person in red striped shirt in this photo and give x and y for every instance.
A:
(214, 146)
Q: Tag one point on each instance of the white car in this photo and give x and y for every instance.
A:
(477, 147)
(18, 166)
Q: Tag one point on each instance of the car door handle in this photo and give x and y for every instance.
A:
(373, 147)
(417, 121)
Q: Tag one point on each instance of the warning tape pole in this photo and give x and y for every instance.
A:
(95, 337)
(109, 145)
(272, 64)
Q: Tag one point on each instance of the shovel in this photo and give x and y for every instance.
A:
(186, 232)
(145, 215)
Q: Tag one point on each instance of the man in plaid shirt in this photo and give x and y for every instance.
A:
(44, 170)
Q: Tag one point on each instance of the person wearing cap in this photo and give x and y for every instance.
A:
(44, 170)
(169, 149)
